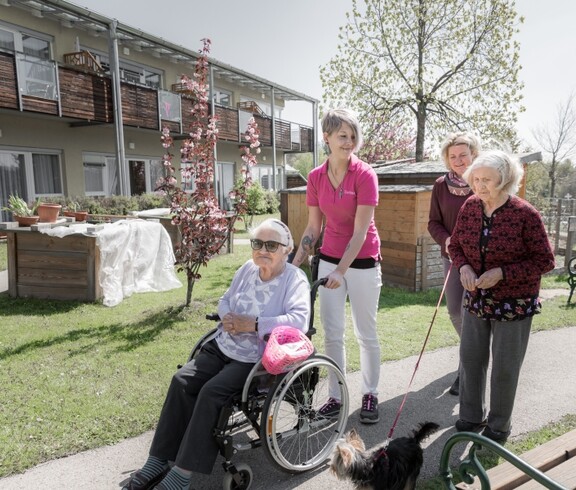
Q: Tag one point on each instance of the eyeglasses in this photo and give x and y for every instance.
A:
(271, 245)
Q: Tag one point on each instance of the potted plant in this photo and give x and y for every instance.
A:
(72, 209)
(24, 214)
(48, 212)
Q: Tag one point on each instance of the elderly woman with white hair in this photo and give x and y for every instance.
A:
(500, 248)
(265, 292)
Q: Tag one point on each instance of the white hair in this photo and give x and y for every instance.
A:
(509, 168)
(277, 227)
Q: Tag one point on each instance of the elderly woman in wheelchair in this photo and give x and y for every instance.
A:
(224, 373)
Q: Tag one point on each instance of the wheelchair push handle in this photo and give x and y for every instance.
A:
(313, 292)
(314, 288)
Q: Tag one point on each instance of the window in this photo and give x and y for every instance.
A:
(224, 184)
(131, 72)
(222, 97)
(145, 175)
(46, 171)
(29, 175)
(264, 175)
(30, 43)
(188, 175)
(101, 177)
(36, 70)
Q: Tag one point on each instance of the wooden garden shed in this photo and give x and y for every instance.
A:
(401, 218)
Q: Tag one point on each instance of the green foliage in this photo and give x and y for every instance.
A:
(114, 205)
(258, 201)
(272, 202)
(304, 162)
(538, 183)
(19, 207)
(256, 198)
(436, 65)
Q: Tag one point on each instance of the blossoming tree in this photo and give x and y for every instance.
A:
(204, 227)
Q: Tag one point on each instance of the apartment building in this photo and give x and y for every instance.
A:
(83, 99)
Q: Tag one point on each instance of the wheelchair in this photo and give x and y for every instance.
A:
(280, 414)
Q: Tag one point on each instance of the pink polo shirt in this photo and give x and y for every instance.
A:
(359, 187)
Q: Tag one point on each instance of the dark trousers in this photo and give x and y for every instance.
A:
(197, 393)
(508, 342)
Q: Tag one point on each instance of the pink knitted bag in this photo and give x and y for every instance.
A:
(286, 348)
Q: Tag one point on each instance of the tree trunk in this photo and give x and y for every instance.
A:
(420, 131)
(191, 282)
(552, 175)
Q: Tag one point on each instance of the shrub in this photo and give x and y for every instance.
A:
(256, 197)
(272, 202)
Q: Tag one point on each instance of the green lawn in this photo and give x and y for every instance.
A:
(76, 375)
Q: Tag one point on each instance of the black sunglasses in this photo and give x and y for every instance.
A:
(271, 245)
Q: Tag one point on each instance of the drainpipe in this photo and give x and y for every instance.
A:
(117, 103)
(272, 93)
(217, 191)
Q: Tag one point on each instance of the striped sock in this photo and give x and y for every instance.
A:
(153, 467)
(175, 480)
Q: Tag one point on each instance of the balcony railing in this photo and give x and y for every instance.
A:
(85, 95)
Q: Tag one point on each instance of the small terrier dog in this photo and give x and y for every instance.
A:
(395, 467)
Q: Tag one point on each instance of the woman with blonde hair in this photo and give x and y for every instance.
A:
(448, 194)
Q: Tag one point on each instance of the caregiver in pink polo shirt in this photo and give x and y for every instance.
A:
(343, 193)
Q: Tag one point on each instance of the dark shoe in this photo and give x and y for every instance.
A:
(465, 426)
(495, 435)
(140, 482)
(455, 388)
(369, 412)
(330, 409)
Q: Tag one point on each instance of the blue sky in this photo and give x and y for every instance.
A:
(286, 42)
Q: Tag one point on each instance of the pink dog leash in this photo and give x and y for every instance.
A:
(419, 357)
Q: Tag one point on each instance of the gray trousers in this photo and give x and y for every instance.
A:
(197, 394)
(509, 341)
(454, 294)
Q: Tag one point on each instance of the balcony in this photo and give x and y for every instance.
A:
(84, 96)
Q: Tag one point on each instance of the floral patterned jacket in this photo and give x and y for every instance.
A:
(516, 242)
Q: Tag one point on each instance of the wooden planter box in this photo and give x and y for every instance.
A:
(43, 266)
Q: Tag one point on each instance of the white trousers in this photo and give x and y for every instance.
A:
(362, 287)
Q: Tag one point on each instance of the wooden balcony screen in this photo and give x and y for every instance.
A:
(306, 139)
(85, 96)
(8, 88)
(139, 106)
(228, 122)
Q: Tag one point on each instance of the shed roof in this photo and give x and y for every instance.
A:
(435, 167)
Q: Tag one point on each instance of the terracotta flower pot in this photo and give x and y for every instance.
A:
(48, 212)
(81, 215)
(70, 214)
(26, 220)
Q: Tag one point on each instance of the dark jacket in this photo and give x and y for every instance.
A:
(444, 207)
(518, 244)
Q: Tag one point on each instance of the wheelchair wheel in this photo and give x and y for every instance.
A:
(295, 437)
(243, 480)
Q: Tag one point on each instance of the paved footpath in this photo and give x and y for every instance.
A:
(547, 391)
